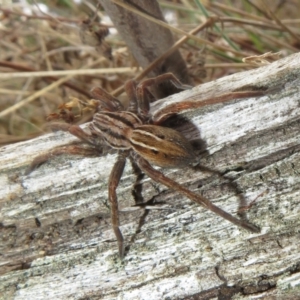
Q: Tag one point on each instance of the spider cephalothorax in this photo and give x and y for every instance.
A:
(135, 135)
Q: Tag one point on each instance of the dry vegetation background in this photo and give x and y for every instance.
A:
(44, 62)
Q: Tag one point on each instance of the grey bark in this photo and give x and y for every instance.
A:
(56, 237)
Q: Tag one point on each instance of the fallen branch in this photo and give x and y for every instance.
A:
(57, 240)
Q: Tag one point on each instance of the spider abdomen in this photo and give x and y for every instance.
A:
(162, 146)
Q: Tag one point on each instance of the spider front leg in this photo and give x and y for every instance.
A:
(68, 149)
(74, 130)
(130, 90)
(113, 182)
(168, 182)
(106, 101)
(142, 93)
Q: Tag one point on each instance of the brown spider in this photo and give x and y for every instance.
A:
(136, 135)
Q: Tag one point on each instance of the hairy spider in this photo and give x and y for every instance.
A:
(137, 136)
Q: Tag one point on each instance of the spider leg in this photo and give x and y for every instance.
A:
(107, 101)
(137, 187)
(113, 183)
(130, 89)
(161, 178)
(68, 149)
(74, 130)
(143, 93)
(247, 207)
(178, 107)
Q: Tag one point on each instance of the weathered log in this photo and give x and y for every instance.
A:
(56, 236)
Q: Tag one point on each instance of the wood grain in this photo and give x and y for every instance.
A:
(56, 237)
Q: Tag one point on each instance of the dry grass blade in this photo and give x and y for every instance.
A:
(70, 73)
(174, 29)
(40, 92)
(277, 20)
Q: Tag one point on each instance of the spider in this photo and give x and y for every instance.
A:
(137, 136)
